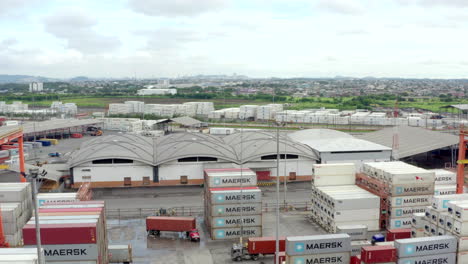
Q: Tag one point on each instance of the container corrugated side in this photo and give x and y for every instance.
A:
(235, 196)
(236, 221)
(405, 212)
(71, 252)
(409, 201)
(438, 258)
(235, 209)
(356, 232)
(230, 233)
(320, 244)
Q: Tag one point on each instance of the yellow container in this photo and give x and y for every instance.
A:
(52, 140)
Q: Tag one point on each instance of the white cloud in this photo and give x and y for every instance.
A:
(10, 6)
(176, 8)
(77, 28)
(344, 7)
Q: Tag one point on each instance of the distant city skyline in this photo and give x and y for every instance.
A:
(257, 38)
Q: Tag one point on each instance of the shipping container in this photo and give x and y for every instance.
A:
(215, 178)
(461, 212)
(265, 245)
(397, 223)
(236, 221)
(404, 212)
(418, 220)
(53, 234)
(422, 188)
(19, 259)
(394, 234)
(440, 202)
(235, 209)
(462, 257)
(337, 257)
(175, 224)
(409, 201)
(356, 246)
(443, 177)
(319, 244)
(417, 232)
(235, 195)
(460, 228)
(356, 232)
(436, 259)
(425, 246)
(230, 233)
(378, 254)
(281, 257)
(71, 252)
(445, 189)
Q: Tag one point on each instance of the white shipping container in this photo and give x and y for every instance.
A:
(462, 257)
(236, 221)
(120, 253)
(334, 169)
(418, 220)
(356, 232)
(319, 244)
(440, 202)
(431, 259)
(417, 232)
(444, 177)
(235, 209)
(356, 246)
(236, 196)
(445, 189)
(396, 223)
(409, 201)
(330, 180)
(460, 228)
(404, 212)
(338, 258)
(425, 246)
(72, 252)
(372, 225)
(356, 215)
(19, 259)
(221, 179)
(230, 233)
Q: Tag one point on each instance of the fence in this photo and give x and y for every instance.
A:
(129, 213)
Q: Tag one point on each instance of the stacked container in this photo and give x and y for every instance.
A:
(345, 205)
(20, 255)
(78, 228)
(445, 182)
(437, 249)
(43, 198)
(358, 235)
(335, 248)
(418, 222)
(378, 254)
(404, 190)
(16, 210)
(233, 203)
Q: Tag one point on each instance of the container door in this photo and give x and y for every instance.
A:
(127, 181)
(156, 174)
(263, 175)
(183, 179)
(292, 176)
(146, 180)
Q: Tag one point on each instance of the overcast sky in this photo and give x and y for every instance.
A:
(258, 38)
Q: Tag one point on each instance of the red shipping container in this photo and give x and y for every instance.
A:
(57, 234)
(166, 223)
(378, 254)
(265, 245)
(73, 203)
(394, 234)
(355, 260)
(282, 257)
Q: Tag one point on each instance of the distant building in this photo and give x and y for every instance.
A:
(151, 91)
(36, 87)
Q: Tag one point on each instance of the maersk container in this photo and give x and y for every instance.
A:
(451, 207)
(56, 234)
(338, 258)
(356, 246)
(445, 189)
(443, 219)
(440, 202)
(418, 219)
(235, 209)
(422, 188)
(236, 221)
(216, 178)
(19, 259)
(461, 212)
(404, 212)
(372, 225)
(71, 252)
(396, 223)
(426, 246)
(409, 201)
(319, 244)
(231, 233)
(444, 177)
(356, 232)
(439, 258)
(235, 195)
(350, 202)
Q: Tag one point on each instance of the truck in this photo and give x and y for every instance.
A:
(187, 225)
(256, 247)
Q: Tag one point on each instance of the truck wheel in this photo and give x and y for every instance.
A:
(157, 233)
(254, 257)
(238, 258)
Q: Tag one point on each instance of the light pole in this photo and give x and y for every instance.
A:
(33, 175)
(277, 193)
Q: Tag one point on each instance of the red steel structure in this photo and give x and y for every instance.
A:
(461, 159)
(9, 135)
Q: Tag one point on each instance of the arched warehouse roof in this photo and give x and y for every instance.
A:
(157, 151)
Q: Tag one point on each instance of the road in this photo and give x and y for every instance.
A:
(151, 197)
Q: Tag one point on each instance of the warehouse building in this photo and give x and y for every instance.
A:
(180, 158)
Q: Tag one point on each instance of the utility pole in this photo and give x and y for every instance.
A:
(277, 194)
(33, 174)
